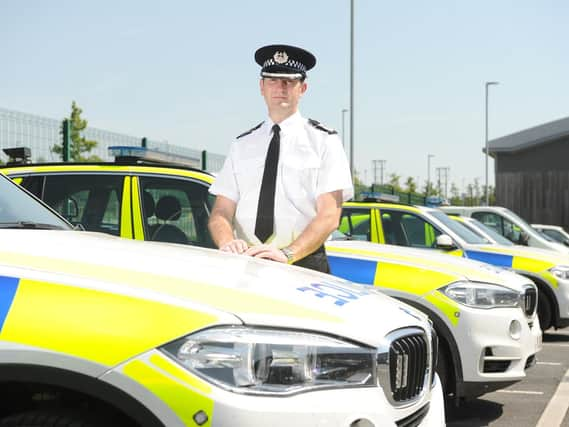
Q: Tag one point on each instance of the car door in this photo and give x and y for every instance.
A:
(360, 223)
(171, 209)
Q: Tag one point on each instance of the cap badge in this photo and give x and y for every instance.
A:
(280, 57)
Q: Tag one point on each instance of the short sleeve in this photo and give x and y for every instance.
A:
(335, 171)
(225, 183)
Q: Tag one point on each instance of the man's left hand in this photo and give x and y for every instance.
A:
(267, 252)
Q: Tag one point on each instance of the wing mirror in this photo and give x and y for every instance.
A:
(445, 242)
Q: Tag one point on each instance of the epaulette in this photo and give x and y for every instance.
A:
(250, 130)
(321, 127)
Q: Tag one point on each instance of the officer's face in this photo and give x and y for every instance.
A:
(282, 93)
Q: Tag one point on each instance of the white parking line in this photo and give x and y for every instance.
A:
(548, 363)
(555, 344)
(519, 392)
(557, 406)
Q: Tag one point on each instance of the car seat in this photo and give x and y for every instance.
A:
(168, 208)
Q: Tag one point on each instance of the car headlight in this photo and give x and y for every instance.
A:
(273, 361)
(560, 271)
(482, 295)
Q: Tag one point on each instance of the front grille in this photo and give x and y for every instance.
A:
(408, 364)
(530, 301)
(415, 418)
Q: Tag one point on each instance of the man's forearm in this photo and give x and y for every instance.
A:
(314, 235)
(221, 230)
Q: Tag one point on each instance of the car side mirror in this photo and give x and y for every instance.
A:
(566, 242)
(445, 242)
(524, 238)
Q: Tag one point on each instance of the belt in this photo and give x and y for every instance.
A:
(317, 260)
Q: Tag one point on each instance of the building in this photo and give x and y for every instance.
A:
(532, 172)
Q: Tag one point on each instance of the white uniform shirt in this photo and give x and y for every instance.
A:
(311, 162)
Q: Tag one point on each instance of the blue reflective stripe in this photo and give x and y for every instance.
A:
(501, 260)
(8, 287)
(357, 270)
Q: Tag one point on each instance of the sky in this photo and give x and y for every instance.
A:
(182, 71)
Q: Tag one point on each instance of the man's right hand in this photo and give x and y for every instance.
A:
(235, 246)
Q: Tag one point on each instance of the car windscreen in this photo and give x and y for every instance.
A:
(525, 226)
(464, 233)
(498, 238)
(18, 209)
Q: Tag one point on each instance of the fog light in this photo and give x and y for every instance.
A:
(515, 329)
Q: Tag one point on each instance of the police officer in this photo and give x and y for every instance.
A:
(281, 188)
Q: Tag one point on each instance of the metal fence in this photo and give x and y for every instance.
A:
(39, 133)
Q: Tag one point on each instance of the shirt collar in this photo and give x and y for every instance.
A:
(287, 124)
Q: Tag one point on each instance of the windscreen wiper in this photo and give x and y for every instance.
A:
(30, 225)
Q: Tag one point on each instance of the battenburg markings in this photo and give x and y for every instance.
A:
(8, 287)
(495, 259)
(356, 270)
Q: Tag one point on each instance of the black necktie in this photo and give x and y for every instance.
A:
(264, 224)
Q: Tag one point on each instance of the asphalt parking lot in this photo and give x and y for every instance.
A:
(539, 400)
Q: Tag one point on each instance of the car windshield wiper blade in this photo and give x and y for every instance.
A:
(30, 225)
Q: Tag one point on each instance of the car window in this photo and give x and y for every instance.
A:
(498, 238)
(501, 225)
(176, 210)
(458, 228)
(93, 202)
(407, 229)
(356, 223)
(20, 210)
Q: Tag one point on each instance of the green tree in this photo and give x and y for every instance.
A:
(411, 185)
(455, 198)
(80, 146)
(394, 181)
(359, 186)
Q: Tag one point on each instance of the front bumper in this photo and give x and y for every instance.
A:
(494, 357)
(179, 398)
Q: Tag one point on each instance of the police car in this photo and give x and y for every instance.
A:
(172, 204)
(509, 225)
(101, 331)
(423, 227)
(485, 317)
(554, 232)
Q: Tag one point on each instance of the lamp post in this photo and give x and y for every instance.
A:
(429, 173)
(344, 111)
(352, 87)
(486, 142)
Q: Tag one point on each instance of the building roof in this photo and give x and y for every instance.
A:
(531, 137)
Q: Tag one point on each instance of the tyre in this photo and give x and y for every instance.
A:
(57, 418)
(445, 371)
(544, 311)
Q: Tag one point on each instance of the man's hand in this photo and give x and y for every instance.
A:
(267, 252)
(235, 246)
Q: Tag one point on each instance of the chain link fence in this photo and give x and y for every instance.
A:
(39, 133)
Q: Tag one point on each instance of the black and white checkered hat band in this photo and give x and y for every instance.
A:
(289, 63)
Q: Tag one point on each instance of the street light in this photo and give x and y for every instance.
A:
(486, 144)
(352, 88)
(429, 172)
(344, 111)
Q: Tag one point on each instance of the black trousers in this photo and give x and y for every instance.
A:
(317, 260)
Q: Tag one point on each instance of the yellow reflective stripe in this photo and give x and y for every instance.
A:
(456, 252)
(450, 308)
(109, 329)
(18, 180)
(529, 264)
(227, 299)
(126, 220)
(410, 279)
(137, 210)
(175, 370)
(376, 227)
(549, 278)
(182, 400)
(128, 169)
